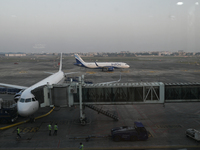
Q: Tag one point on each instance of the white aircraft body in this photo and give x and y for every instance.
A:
(27, 104)
(105, 66)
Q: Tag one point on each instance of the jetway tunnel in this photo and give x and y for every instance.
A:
(79, 93)
(122, 93)
(68, 94)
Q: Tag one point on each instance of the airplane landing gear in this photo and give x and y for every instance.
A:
(32, 119)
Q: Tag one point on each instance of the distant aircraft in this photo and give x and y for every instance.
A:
(28, 104)
(105, 66)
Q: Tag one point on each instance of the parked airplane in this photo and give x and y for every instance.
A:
(105, 66)
(28, 104)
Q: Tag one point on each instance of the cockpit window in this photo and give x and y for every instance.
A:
(33, 99)
(28, 100)
(22, 100)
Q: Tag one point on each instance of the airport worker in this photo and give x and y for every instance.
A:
(18, 131)
(49, 127)
(55, 129)
(81, 146)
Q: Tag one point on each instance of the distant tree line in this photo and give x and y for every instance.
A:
(121, 55)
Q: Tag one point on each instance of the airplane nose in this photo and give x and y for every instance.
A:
(26, 109)
(22, 113)
(22, 109)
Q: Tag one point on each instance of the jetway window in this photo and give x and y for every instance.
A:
(189, 93)
(136, 93)
(116, 94)
(182, 92)
(172, 93)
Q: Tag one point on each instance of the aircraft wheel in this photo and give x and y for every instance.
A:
(32, 120)
(83, 123)
(105, 69)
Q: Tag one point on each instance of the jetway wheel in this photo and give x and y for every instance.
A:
(83, 122)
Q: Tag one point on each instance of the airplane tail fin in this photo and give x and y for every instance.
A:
(79, 60)
(60, 68)
(96, 64)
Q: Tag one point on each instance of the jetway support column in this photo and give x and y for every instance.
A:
(162, 93)
(82, 114)
(47, 96)
(71, 90)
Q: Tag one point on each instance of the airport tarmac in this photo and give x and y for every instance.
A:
(166, 125)
(30, 69)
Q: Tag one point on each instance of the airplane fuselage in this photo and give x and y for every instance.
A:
(119, 65)
(27, 104)
(100, 65)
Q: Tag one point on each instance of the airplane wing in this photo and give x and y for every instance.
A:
(48, 72)
(13, 86)
(64, 73)
(71, 73)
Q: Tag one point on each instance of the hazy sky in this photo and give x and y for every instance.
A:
(99, 25)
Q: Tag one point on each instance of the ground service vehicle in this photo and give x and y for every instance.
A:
(192, 133)
(8, 112)
(3, 90)
(138, 132)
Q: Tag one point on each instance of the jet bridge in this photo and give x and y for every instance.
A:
(79, 93)
(73, 93)
(121, 93)
(104, 94)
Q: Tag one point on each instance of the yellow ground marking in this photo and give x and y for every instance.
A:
(90, 72)
(22, 72)
(152, 71)
(149, 134)
(6, 127)
(27, 129)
